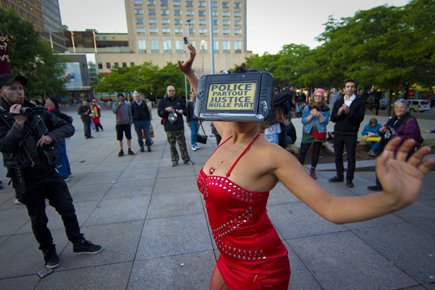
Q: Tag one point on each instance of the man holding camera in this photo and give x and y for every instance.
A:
(171, 109)
(28, 135)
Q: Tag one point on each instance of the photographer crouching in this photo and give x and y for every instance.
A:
(28, 135)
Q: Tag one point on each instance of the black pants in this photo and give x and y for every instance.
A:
(53, 188)
(315, 156)
(87, 127)
(350, 142)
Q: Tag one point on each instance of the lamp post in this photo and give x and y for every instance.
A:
(202, 47)
(185, 79)
(210, 2)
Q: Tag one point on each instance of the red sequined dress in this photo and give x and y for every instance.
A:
(252, 255)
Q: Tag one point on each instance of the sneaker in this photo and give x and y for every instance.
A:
(189, 162)
(130, 152)
(67, 179)
(174, 163)
(121, 153)
(51, 258)
(313, 173)
(336, 179)
(86, 247)
(194, 148)
(371, 153)
(374, 188)
(16, 201)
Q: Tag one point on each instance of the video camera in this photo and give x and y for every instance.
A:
(31, 110)
(240, 97)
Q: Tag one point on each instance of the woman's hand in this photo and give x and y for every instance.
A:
(186, 66)
(401, 178)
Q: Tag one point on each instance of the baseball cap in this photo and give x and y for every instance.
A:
(6, 79)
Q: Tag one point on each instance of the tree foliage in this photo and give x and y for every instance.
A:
(387, 47)
(147, 78)
(32, 57)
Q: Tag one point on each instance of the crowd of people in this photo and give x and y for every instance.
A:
(249, 160)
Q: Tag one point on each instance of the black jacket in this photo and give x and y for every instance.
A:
(18, 144)
(178, 104)
(140, 112)
(348, 124)
(190, 112)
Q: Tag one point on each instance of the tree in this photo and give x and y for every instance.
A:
(32, 57)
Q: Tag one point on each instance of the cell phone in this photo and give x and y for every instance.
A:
(44, 272)
(186, 40)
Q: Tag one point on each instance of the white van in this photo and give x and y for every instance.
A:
(418, 105)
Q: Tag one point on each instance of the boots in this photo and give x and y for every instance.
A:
(149, 148)
(142, 148)
(313, 173)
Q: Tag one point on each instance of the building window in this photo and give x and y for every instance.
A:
(166, 21)
(238, 46)
(226, 31)
(201, 13)
(100, 65)
(226, 13)
(237, 5)
(203, 31)
(167, 48)
(152, 20)
(190, 13)
(226, 46)
(140, 30)
(139, 20)
(191, 31)
(178, 30)
(237, 22)
(132, 63)
(215, 22)
(215, 13)
(214, 4)
(137, 2)
(151, 11)
(153, 30)
(237, 14)
(189, 3)
(226, 22)
(151, 2)
(177, 12)
(138, 11)
(124, 64)
(216, 46)
(202, 22)
(155, 46)
(225, 4)
(177, 3)
(108, 66)
(237, 31)
(178, 21)
(179, 46)
(141, 46)
(164, 12)
(201, 3)
(163, 2)
(215, 30)
(166, 30)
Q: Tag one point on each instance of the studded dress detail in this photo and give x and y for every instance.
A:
(252, 255)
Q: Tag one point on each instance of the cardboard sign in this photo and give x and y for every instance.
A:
(232, 96)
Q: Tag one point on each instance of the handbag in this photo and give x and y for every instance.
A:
(201, 138)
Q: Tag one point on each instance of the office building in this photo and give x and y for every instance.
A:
(45, 17)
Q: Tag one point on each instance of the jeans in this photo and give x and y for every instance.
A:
(374, 146)
(350, 142)
(194, 127)
(53, 188)
(145, 126)
(63, 167)
(272, 138)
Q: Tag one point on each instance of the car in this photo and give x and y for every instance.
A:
(418, 105)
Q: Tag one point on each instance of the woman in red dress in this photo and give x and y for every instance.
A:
(236, 181)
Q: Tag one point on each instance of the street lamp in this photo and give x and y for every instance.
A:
(202, 48)
(185, 79)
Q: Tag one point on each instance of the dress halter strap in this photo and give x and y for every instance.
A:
(220, 144)
(241, 154)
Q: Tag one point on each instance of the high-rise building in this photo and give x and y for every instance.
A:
(156, 29)
(45, 17)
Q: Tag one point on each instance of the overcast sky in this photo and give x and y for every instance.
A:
(271, 24)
